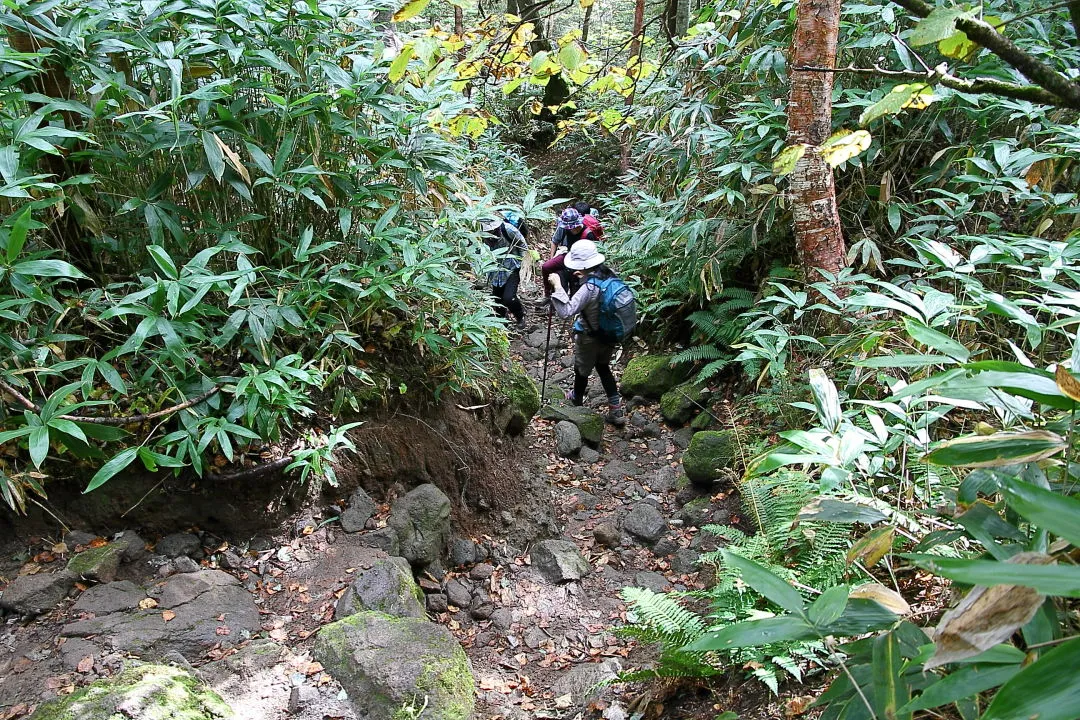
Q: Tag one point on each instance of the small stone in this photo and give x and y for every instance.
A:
(502, 618)
(567, 439)
(362, 503)
(98, 564)
(652, 430)
(684, 561)
(645, 523)
(651, 581)
(582, 499)
(588, 455)
(458, 594)
(638, 420)
(353, 520)
(481, 608)
(178, 544)
(133, 547)
(481, 572)
(462, 552)
(607, 535)
(185, 565)
(665, 547)
(657, 447)
(436, 603)
(75, 538)
(231, 560)
(682, 438)
(384, 539)
(559, 561)
(507, 517)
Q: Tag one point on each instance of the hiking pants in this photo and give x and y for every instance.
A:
(589, 353)
(506, 296)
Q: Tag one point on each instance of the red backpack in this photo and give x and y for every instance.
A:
(593, 223)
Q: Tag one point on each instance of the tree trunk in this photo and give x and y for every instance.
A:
(818, 237)
(635, 57)
(682, 17)
(585, 24)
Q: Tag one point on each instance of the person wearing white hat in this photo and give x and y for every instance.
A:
(501, 235)
(590, 352)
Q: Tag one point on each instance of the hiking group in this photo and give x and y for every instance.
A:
(577, 282)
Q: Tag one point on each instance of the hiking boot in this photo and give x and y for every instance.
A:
(616, 415)
(520, 324)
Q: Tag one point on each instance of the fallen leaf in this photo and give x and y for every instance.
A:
(312, 668)
(222, 630)
(167, 615)
(563, 701)
(148, 603)
(883, 596)
(86, 664)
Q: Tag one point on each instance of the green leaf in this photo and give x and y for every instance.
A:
(890, 691)
(935, 340)
(1047, 689)
(111, 468)
(764, 582)
(47, 268)
(165, 263)
(838, 511)
(39, 445)
(904, 361)
(940, 24)
(214, 156)
(571, 56)
(410, 10)
(1058, 580)
(401, 63)
(912, 95)
(17, 234)
(958, 46)
(1003, 448)
(963, 683)
(788, 158)
(829, 606)
(1049, 510)
(826, 400)
(752, 633)
(69, 428)
(9, 435)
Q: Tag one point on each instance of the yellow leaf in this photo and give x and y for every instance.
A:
(873, 546)
(788, 158)
(167, 615)
(883, 596)
(401, 62)
(410, 10)
(148, 603)
(1067, 382)
(844, 145)
(586, 3)
(233, 159)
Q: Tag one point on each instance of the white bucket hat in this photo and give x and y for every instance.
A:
(583, 255)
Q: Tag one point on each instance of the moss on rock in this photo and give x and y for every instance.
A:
(522, 400)
(148, 692)
(710, 452)
(387, 664)
(588, 421)
(682, 402)
(702, 422)
(651, 376)
(98, 564)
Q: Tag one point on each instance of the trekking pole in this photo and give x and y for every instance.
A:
(547, 351)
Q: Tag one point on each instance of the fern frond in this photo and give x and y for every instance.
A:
(696, 354)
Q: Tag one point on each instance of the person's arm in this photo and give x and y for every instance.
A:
(516, 240)
(566, 306)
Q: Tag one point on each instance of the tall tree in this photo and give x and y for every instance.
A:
(818, 237)
(635, 59)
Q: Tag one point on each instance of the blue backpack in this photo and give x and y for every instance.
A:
(618, 310)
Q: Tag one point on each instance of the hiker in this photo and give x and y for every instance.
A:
(571, 229)
(504, 281)
(591, 218)
(605, 309)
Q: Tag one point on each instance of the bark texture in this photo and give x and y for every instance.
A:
(818, 237)
(635, 56)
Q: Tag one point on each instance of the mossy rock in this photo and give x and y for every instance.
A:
(588, 421)
(710, 453)
(387, 664)
(682, 402)
(703, 421)
(148, 692)
(651, 376)
(522, 400)
(98, 564)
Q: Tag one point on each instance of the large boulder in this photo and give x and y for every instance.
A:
(387, 586)
(651, 376)
(387, 665)
(559, 561)
(710, 455)
(682, 403)
(359, 510)
(37, 594)
(421, 519)
(589, 422)
(150, 692)
(190, 613)
(521, 400)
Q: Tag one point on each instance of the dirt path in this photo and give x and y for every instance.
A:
(537, 648)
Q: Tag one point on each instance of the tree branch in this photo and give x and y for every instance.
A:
(129, 420)
(1030, 93)
(1026, 64)
(1074, 15)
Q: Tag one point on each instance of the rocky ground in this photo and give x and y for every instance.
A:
(536, 617)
